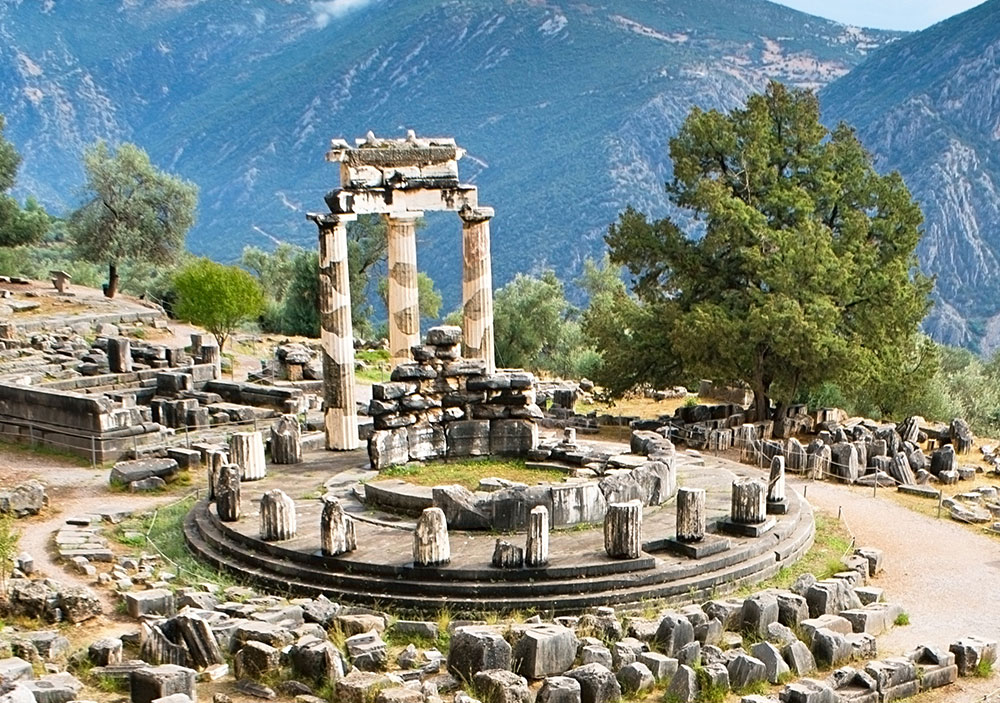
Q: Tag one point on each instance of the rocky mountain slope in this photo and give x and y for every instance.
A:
(929, 106)
(565, 106)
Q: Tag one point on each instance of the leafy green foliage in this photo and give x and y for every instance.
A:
(133, 211)
(536, 328)
(17, 225)
(805, 271)
(219, 298)
(300, 307)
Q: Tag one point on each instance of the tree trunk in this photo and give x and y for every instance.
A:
(761, 404)
(112, 286)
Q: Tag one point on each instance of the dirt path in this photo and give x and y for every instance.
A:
(942, 573)
(72, 490)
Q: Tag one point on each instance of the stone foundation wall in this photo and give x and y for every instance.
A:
(442, 405)
(89, 426)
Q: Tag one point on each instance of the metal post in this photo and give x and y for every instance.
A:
(940, 499)
(31, 434)
(135, 447)
(93, 452)
(187, 436)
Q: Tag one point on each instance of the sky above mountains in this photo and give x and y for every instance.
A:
(909, 15)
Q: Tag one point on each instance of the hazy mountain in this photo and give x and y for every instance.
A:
(564, 107)
(929, 106)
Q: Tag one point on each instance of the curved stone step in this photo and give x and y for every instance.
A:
(557, 594)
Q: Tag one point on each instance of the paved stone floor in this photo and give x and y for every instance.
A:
(384, 538)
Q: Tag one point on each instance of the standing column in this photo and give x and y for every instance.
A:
(340, 414)
(477, 285)
(690, 514)
(404, 304)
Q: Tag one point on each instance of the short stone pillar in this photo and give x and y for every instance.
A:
(777, 502)
(536, 550)
(277, 516)
(477, 285)
(569, 435)
(246, 450)
(210, 354)
(749, 501)
(119, 355)
(507, 555)
(690, 514)
(216, 460)
(227, 493)
(623, 530)
(336, 530)
(196, 341)
(430, 539)
(404, 311)
(286, 441)
(748, 510)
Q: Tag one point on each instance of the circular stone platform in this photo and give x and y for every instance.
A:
(579, 574)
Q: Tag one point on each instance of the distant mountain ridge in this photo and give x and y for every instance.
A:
(929, 106)
(565, 107)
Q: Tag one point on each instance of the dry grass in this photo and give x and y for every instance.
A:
(638, 406)
(468, 473)
(833, 541)
(48, 305)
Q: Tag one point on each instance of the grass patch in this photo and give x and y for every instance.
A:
(468, 473)
(111, 684)
(164, 529)
(377, 361)
(758, 688)
(823, 559)
(902, 620)
(984, 669)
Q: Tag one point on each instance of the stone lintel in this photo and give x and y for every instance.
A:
(386, 200)
(412, 150)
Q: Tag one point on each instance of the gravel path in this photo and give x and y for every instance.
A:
(943, 574)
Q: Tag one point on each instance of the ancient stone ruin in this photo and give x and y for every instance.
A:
(400, 179)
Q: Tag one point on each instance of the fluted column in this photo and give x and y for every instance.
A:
(404, 304)
(477, 285)
(536, 552)
(690, 514)
(623, 530)
(749, 502)
(337, 334)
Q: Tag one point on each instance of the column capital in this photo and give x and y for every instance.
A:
(408, 216)
(329, 219)
(473, 215)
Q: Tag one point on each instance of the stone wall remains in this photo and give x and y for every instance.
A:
(441, 405)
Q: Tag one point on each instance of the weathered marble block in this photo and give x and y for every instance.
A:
(277, 516)
(430, 539)
(623, 530)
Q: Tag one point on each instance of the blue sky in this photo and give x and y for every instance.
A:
(884, 14)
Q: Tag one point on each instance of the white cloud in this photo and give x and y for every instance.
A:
(328, 10)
